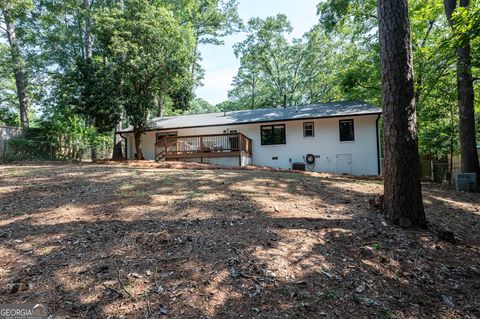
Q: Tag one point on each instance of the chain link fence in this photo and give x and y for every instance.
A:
(30, 150)
(440, 171)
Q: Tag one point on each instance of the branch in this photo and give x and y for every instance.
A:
(430, 26)
(367, 87)
(450, 6)
(122, 285)
(430, 89)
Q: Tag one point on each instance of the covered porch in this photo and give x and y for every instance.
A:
(231, 149)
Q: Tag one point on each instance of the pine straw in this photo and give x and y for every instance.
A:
(194, 241)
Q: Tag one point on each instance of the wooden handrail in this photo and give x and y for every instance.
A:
(214, 144)
(207, 135)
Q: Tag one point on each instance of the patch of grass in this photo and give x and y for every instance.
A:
(126, 187)
(377, 246)
(234, 274)
(386, 314)
(143, 296)
(167, 180)
(366, 182)
(193, 194)
(332, 294)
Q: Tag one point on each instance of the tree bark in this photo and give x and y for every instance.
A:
(402, 189)
(137, 134)
(253, 90)
(88, 47)
(159, 100)
(466, 111)
(17, 68)
(117, 142)
(88, 33)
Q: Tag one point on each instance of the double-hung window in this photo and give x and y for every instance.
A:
(273, 134)
(308, 129)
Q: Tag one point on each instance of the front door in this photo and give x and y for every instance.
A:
(344, 164)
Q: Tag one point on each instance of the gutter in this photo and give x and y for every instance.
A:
(256, 122)
(378, 143)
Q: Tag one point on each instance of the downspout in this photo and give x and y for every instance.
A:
(378, 143)
(126, 146)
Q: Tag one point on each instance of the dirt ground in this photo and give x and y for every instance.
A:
(142, 241)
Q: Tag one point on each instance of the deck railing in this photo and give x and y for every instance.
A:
(219, 145)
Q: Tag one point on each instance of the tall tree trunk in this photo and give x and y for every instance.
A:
(137, 134)
(403, 195)
(159, 100)
(253, 91)
(17, 68)
(117, 142)
(87, 31)
(88, 55)
(195, 54)
(466, 110)
(452, 136)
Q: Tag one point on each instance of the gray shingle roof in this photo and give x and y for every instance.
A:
(334, 109)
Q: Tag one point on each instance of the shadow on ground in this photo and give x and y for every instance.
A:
(96, 241)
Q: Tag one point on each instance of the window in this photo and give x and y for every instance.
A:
(346, 131)
(273, 134)
(308, 129)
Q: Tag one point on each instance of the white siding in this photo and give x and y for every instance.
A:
(325, 144)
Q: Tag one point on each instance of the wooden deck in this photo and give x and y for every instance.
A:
(203, 146)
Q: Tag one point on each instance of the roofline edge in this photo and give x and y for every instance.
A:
(254, 122)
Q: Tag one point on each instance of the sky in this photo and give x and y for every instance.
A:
(220, 63)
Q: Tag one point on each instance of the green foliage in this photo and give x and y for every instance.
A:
(8, 112)
(8, 98)
(434, 58)
(333, 294)
(144, 52)
(141, 50)
(210, 21)
(276, 71)
(60, 137)
(201, 106)
(148, 52)
(267, 56)
(467, 21)
(349, 17)
(338, 59)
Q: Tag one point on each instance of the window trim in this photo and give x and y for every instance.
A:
(340, 128)
(272, 126)
(313, 129)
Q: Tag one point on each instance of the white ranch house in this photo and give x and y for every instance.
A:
(339, 137)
